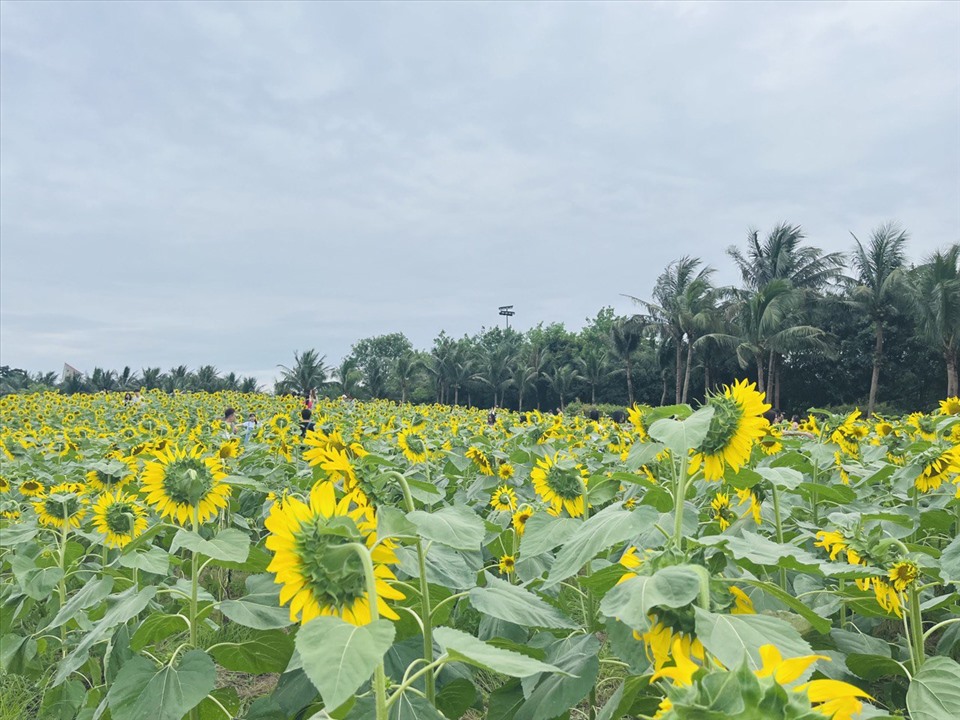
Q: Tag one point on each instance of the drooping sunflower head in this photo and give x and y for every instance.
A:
(480, 459)
(903, 574)
(62, 504)
(737, 423)
(4, 485)
(180, 483)
(939, 465)
(120, 517)
(504, 499)
(561, 483)
(413, 444)
(109, 475)
(313, 559)
(721, 510)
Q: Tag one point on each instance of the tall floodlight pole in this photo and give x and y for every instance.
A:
(507, 312)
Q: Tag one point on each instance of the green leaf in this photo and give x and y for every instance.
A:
(551, 694)
(142, 691)
(36, 582)
(456, 697)
(62, 702)
(642, 453)
(611, 526)
(631, 601)
(254, 615)
(504, 702)
(155, 628)
(543, 533)
(820, 624)
(455, 526)
(934, 692)
(731, 638)
(228, 700)
(469, 649)
(266, 651)
(411, 706)
(392, 522)
(230, 545)
(339, 657)
(949, 562)
(18, 534)
(153, 560)
(683, 435)
(89, 594)
(874, 667)
(782, 477)
(16, 652)
(514, 604)
(124, 606)
(839, 494)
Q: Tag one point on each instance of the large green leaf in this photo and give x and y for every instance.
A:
(469, 649)
(456, 526)
(142, 691)
(230, 545)
(550, 694)
(153, 560)
(821, 624)
(266, 651)
(514, 604)
(950, 562)
(339, 657)
(259, 608)
(36, 582)
(731, 638)
(683, 435)
(631, 601)
(90, 594)
(763, 551)
(611, 526)
(157, 627)
(934, 692)
(543, 533)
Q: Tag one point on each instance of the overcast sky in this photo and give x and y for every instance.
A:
(225, 183)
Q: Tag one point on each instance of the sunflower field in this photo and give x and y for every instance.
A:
(410, 562)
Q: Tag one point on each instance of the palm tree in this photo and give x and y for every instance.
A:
(459, 370)
(127, 379)
(538, 357)
(625, 341)
(523, 377)
(152, 377)
(877, 291)
(207, 379)
(594, 369)
(406, 368)
(494, 371)
(347, 377)
(249, 384)
(230, 381)
(103, 380)
(562, 380)
(177, 379)
(937, 299)
(308, 372)
(782, 257)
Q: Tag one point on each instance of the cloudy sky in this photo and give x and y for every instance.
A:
(225, 183)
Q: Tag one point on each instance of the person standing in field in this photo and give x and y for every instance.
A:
(230, 420)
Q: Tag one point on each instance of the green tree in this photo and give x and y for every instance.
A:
(878, 289)
(309, 371)
(594, 367)
(625, 338)
(937, 299)
(562, 379)
(152, 378)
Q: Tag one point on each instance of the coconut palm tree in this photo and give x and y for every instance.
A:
(347, 377)
(207, 379)
(127, 379)
(625, 338)
(102, 380)
(937, 300)
(459, 370)
(308, 372)
(249, 384)
(594, 366)
(177, 379)
(562, 380)
(878, 289)
(151, 377)
(523, 377)
(405, 369)
(494, 371)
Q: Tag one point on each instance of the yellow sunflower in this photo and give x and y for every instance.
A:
(560, 483)
(320, 575)
(505, 471)
(108, 475)
(520, 517)
(4, 485)
(480, 460)
(950, 406)
(120, 517)
(179, 482)
(903, 574)
(736, 425)
(508, 563)
(229, 449)
(939, 468)
(504, 499)
(722, 512)
(62, 504)
(32, 488)
(413, 445)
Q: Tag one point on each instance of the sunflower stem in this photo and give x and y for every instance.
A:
(916, 626)
(62, 583)
(379, 675)
(430, 685)
(194, 583)
(779, 525)
(680, 492)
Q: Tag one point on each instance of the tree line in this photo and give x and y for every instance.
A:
(814, 329)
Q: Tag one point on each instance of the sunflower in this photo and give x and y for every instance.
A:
(737, 423)
(834, 698)
(938, 468)
(320, 575)
(480, 460)
(4, 485)
(722, 512)
(413, 445)
(950, 406)
(505, 471)
(108, 475)
(507, 564)
(754, 497)
(742, 604)
(229, 449)
(560, 483)
(180, 483)
(62, 504)
(661, 637)
(32, 488)
(903, 574)
(120, 517)
(520, 517)
(504, 499)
